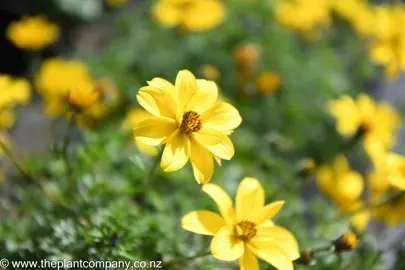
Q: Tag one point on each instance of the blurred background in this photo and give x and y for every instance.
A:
(280, 63)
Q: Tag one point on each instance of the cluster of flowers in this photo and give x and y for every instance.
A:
(375, 125)
(381, 25)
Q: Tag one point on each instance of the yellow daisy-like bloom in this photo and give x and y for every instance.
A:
(134, 117)
(358, 13)
(303, 15)
(192, 15)
(83, 96)
(388, 47)
(189, 121)
(376, 122)
(32, 33)
(115, 3)
(13, 92)
(339, 182)
(268, 82)
(245, 231)
(387, 179)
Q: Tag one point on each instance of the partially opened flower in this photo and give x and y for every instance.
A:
(245, 231)
(187, 118)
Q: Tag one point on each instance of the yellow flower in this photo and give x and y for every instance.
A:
(268, 82)
(338, 182)
(32, 33)
(134, 117)
(358, 13)
(303, 15)
(388, 47)
(245, 231)
(189, 121)
(13, 92)
(115, 3)
(83, 96)
(246, 55)
(193, 15)
(376, 122)
(210, 72)
(346, 242)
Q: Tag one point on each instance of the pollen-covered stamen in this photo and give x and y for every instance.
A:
(191, 122)
(245, 230)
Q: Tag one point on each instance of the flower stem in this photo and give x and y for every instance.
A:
(186, 259)
(65, 145)
(20, 168)
(152, 172)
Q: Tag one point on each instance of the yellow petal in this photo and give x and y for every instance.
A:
(202, 222)
(7, 118)
(202, 163)
(146, 149)
(271, 236)
(216, 142)
(157, 101)
(381, 53)
(225, 247)
(221, 116)
(163, 85)
(275, 256)
(267, 212)
(249, 198)
(176, 152)
(248, 261)
(350, 186)
(186, 86)
(154, 131)
(222, 200)
(204, 97)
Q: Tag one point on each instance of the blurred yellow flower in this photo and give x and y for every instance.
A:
(346, 242)
(67, 84)
(358, 13)
(338, 182)
(388, 46)
(32, 32)
(303, 15)
(210, 72)
(192, 15)
(13, 92)
(187, 118)
(267, 82)
(115, 3)
(376, 122)
(134, 117)
(246, 55)
(83, 96)
(245, 231)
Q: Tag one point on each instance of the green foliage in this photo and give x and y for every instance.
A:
(100, 211)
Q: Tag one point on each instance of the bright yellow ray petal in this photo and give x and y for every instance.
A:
(216, 142)
(202, 163)
(163, 85)
(270, 236)
(274, 256)
(225, 247)
(222, 200)
(248, 261)
(249, 198)
(221, 116)
(176, 152)
(157, 101)
(204, 97)
(202, 222)
(267, 212)
(186, 86)
(154, 131)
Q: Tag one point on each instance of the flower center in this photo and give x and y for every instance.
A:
(245, 230)
(191, 122)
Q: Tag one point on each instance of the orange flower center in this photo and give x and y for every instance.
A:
(191, 122)
(245, 230)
